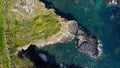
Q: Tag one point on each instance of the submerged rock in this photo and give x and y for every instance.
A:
(76, 1)
(43, 56)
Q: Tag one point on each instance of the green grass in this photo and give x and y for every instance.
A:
(40, 27)
(37, 26)
(47, 23)
(22, 63)
(4, 60)
(24, 32)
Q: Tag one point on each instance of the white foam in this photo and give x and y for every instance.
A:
(113, 2)
(100, 48)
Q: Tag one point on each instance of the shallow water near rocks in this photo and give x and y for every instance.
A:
(101, 20)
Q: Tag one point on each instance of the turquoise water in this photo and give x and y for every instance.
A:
(99, 19)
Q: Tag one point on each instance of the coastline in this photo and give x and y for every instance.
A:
(65, 35)
(57, 38)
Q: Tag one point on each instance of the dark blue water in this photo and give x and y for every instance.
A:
(101, 20)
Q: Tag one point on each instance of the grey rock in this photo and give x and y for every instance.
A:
(80, 32)
(87, 43)
(88, 48)
(66, 39)
(73, 27)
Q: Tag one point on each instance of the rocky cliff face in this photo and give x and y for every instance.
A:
(70, 30)
(86, 42)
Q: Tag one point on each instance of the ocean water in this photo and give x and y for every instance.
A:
(101, 20)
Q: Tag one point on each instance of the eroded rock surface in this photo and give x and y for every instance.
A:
(86, 42)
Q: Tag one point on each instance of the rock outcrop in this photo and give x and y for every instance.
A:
(73, 27)
(86, 42)
(70, 30)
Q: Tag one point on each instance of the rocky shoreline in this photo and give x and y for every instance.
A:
(86, 42)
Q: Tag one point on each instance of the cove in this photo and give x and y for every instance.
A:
(101, 20)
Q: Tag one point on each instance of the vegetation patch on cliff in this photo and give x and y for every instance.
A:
(29, 20)
(4, 60)
(25, 21)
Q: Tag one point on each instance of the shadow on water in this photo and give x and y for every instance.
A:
(67, 16)
(42, 59)
(49, 5)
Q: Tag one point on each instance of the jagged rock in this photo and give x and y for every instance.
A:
(87, 43)
(66, 39)
(69, 35)
(80, 32)
(88, 47)
(73, 27)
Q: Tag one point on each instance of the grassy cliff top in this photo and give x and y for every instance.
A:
(29, 20)
(25, 21)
